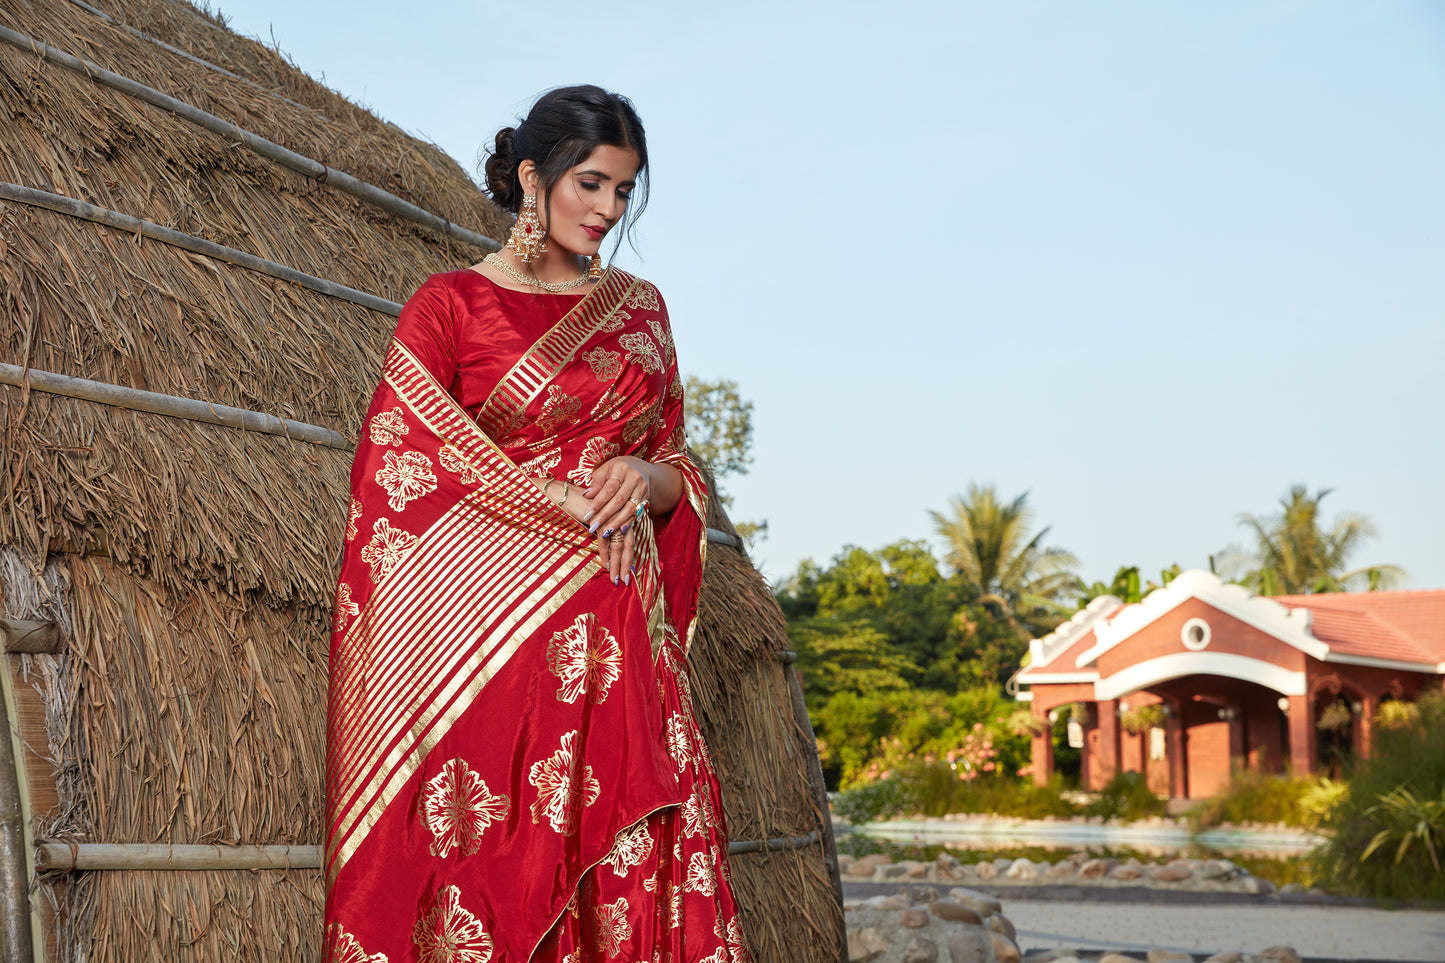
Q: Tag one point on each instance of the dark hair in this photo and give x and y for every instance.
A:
(562, 129)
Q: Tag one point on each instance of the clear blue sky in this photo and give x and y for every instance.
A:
(1150, 262)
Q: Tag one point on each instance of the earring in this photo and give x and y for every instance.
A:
(594, 268)
(527, 237)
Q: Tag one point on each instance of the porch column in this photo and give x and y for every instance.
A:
(1301, 736)
(1178, 765)
(1108, 723)
(1041, 758)
(1367, 725)
(1238, 752)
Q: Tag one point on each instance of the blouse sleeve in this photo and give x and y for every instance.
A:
(428, 328)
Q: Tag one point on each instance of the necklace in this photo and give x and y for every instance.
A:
(500, 263)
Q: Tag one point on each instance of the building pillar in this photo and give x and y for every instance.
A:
(1238, 751)
(1178, 764)
(1108, 723)
(1370, 704)
(1301, 736)
(1041, 758)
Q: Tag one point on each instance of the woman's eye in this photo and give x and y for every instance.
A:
(625, 195)
(591, 185)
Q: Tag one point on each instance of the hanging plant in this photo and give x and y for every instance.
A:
(1144, 718)
(1336, 716)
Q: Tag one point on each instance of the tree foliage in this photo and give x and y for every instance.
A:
(1294, 553)
(720, 432)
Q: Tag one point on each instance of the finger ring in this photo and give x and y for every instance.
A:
(615, 537)
(641, 508)
(634, 501)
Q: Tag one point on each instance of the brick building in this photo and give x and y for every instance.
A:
(1204, 676)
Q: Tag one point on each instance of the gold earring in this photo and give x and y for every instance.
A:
(594, 268)
(527, 237)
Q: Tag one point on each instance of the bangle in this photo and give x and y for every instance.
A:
(565, 488)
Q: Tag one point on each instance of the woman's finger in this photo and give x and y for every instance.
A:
(604, 553)
(626, 553)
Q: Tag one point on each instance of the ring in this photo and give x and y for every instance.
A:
(616, 536)
(641, 509)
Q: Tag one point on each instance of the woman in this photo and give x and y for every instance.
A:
(514, 769)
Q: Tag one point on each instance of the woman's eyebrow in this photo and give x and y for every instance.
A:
(605, 177)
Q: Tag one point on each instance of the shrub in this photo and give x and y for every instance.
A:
(1127, 797)
(1257, 797)
(935, 789)
(1387, 833)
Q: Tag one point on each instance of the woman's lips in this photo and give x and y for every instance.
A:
(594, 232)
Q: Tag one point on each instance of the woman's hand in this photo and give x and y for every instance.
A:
(620, 489)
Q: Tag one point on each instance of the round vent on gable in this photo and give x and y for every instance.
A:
(1195, 634)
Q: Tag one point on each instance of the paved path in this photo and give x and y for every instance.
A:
(1318, 932)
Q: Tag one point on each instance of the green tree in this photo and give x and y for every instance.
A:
(1018, 578)
(720, 432)
(1295, 554)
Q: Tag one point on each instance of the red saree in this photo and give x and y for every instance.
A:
(514, 770)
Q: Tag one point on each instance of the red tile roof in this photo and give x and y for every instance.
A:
(1406, 626)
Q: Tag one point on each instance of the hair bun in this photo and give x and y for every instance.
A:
(501, 170)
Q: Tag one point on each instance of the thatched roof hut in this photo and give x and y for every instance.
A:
(185, 215)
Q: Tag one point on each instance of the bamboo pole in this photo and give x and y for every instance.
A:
(300, 163)
(15, 934)
(719, 537)
(61, 204)
(774, 845)
(172, 406)
(54, 856)
(32, 638)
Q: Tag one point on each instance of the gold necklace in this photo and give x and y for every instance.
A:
(500, 263)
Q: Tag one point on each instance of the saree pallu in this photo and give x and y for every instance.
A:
(514, 767)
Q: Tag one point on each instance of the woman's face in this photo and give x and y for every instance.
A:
(588, 200)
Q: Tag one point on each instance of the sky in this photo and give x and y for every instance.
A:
(1149, 263)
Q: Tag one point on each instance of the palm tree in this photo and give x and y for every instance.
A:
(1014, 574)
(1294, 554)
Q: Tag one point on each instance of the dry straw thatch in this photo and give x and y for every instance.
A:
(190, 567)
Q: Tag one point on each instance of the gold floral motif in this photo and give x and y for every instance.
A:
(607, 406)
(586, 658)
(575, 956)
(701, 875)
(617, 322)
(675, 389)
(388, 546)
(737, 945)
(450, 934)
(613, 926)
(664, 338)
(632, 848)
(563, 788)
(640, 425)
(694, 816)
(406, 477)
(598, 450)
(452, 459)
(458, 807)
(559, 409)
(345, 608)
(353, 512)
(605, 364)
(542, 464)
(342, 947)
(724, 869)
(387, 427)
(644, 295)
(719, 955)
(679, 747)
(640, 349)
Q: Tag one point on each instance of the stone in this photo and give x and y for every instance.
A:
(917, 870)
(1062, 869)
(1117, 958)
(865, 944)
(1172, 873)
(874, 861)
(1291, 889)
(966, 946)
(1256, 886)
(1125, 872)
(946, 861)
(894, 871)
(861, 870)
(1022, 869)
(913, 918)
(986, 870)
(1001, 924)
(1233, 956)
(1002, 864)
(1279, 954)
(844, 861)
(1219, 869)
(895, 902)
(1004, 949)
(920, 950)
(1158, 955)
(1094, 868)
(981, 903)
(947, 909)
(924, 894)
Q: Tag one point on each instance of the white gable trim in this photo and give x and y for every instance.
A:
(1045, 650)
(1045, 678)
(1291, 626)
(1342, 659)
(1144, 674)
